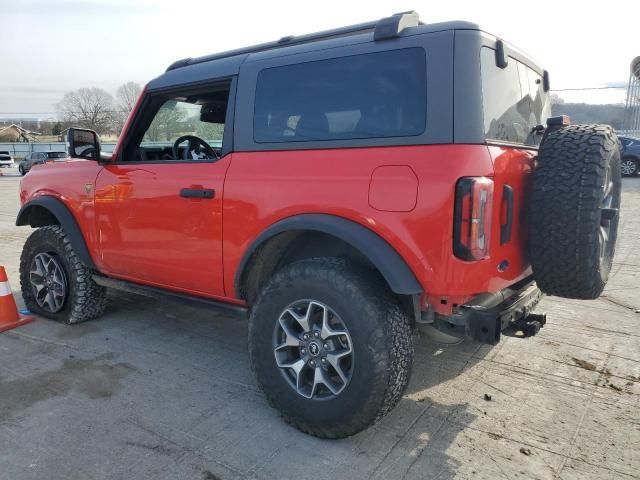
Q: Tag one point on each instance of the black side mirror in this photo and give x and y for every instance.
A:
(83, 143)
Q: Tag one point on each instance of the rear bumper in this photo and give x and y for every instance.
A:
(486, 316)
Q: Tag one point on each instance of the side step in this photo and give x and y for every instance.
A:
(237, 311)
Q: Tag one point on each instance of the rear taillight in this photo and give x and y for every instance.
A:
(472, 218)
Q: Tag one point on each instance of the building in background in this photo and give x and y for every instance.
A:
(632, 107)
(15, 133)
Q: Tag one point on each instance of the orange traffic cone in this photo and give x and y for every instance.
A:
(9, 316)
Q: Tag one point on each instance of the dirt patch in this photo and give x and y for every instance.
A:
(207, 475)
(93, 378)
(584, 364)
(160, 449)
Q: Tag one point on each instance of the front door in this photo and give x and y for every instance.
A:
(159, 205)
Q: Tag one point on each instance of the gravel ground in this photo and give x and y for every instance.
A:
(160, 391)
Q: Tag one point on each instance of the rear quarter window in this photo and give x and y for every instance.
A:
(373, 95)
(514, 100)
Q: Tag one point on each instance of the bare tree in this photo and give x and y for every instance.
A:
(126, 97)
(89, 108)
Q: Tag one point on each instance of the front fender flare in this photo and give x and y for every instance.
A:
(64, 218)
(380, 253)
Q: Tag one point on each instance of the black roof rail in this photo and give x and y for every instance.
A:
(383, 29)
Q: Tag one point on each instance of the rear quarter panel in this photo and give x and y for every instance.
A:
(264, 187)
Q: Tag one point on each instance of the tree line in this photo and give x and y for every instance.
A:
(610, 114)
(97, 109)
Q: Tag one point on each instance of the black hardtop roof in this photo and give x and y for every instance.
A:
(343, 32)
(228, 63)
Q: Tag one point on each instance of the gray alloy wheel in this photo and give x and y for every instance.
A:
(313, 350)
(48, 281)
(628, 167)
(609, 212)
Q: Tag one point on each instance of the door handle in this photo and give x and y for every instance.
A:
(197, 193)
(505, 228)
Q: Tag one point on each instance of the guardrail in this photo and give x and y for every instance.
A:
(19, 150)
(629, 133)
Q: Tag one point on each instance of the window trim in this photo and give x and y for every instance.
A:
(146, 110)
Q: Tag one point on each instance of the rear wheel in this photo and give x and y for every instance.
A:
(55, 283)
(331, 347)
(21, 170)
(629, 167)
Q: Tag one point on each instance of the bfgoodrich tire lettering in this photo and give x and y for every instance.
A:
(84, 299)
(574, 210)
(380, 336)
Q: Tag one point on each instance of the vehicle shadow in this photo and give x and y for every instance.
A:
(190, 389)
(413, 440)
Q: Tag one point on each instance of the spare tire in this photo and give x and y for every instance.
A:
(574, 210)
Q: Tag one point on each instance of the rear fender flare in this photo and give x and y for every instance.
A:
(380, 253)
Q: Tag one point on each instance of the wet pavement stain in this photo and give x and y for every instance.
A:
(91, 377)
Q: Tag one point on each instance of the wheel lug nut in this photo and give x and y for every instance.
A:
(316, 334)
(326, 345)
(324, 359)
(303, 351)
(305, 336)
(312, 363)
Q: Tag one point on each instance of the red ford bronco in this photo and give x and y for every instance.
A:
(339, 189)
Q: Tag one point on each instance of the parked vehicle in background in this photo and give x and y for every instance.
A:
(6, 160)
(38, 158)
(630, 164)
(338, 189)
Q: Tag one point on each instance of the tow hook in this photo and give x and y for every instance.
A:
(531, 324)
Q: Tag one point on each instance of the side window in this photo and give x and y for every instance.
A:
(186, 126)
(514, 100)
(363, 96)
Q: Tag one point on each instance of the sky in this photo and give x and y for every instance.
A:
(49, 47)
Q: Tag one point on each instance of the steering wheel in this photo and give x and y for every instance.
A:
(194, 145)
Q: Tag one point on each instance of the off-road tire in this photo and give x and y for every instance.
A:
(85, 300)
(566, 215)
(380, 332)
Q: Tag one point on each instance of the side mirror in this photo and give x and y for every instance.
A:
(83, 143)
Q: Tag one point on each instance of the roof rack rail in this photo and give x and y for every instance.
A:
(385, 28)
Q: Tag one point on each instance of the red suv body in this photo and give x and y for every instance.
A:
(407, 150)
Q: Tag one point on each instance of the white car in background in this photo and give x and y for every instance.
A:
(6, 160)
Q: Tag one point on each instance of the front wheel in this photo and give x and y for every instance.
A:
(330, 345)
(629, 167)
(55, 283)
